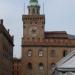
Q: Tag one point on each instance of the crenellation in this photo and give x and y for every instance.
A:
(49, 42)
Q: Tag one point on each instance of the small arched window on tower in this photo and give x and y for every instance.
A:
(65, 52)
(29, 52)
(41, 67)
(37, 11)
(29, 11)
(29, 66)
(33, 11)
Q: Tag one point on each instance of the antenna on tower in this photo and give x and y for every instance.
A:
(43, 7)
(24, 7)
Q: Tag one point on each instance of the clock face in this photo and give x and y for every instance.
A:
(33, 31)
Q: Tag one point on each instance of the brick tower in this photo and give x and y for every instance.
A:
(41, 50)
(33, 22)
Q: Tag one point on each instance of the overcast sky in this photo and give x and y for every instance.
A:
(60, 16)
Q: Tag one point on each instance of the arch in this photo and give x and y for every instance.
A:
(29, 65)
(33, 10)
(65, 52)
(52, 65)
(41, 66)
(29, 52)
(40, 53)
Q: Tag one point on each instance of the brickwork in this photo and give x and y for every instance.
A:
(40, 49)
(6, 51)
(16, 68)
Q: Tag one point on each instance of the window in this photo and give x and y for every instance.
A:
(35, 22)
(37, 11)
(42, 26)
(52, 53)
(29, 10)
(29, 52)
(65, 52)
(52, 66)
(29, 66)
(33, 11)
(33, 31)
(30, 22)
(40, 53)
(63, 72)
(33, 38)
(41, 66)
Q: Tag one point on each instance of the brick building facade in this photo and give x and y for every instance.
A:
(6, 51)
(16, 68)
(40, 49)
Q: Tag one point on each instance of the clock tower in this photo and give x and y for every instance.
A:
(41, 50)
(33, 22)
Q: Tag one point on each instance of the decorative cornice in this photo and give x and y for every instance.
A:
(47, 46)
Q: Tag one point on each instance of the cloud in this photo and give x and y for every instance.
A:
(60, 15)
(11, 12)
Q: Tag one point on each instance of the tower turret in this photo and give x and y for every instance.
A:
(34, 8)
(33, 22)
(34, 1)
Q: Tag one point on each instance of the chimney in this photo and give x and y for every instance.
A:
(1, 21)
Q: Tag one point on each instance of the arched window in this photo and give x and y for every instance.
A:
(37, 11)
(65, 52)
(29, 66)
(29, 52)
(33, 11)
(52, 65)
(29, 10)
(41, 66)
(40, 53)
